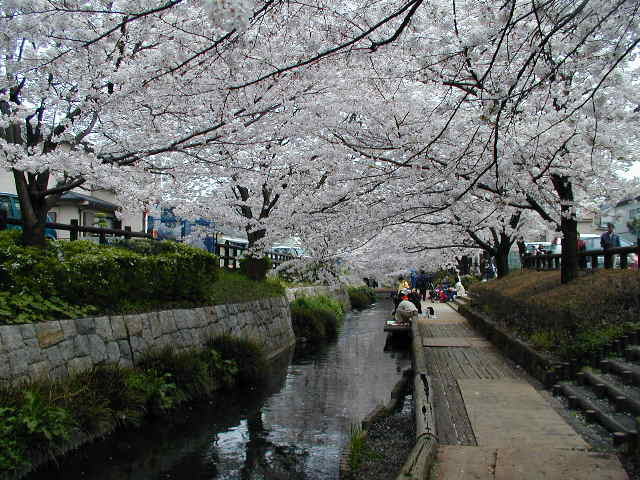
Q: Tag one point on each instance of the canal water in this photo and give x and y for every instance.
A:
(293, 428)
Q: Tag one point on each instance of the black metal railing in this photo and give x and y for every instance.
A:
(591, 259)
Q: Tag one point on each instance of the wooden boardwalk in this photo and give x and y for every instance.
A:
(491, 423)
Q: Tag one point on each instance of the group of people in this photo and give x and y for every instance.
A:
(409, 294)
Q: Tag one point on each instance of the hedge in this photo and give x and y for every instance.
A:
(575, 319)
(72, 279)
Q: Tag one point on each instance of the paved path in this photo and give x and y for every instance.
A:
(492, 424)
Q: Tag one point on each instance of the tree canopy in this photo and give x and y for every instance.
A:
(397, 122)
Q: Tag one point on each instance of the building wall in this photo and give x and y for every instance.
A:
(58, 348)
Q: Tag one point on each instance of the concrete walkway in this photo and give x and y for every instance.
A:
(491, 422)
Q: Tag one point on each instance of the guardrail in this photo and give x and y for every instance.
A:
(592, 257)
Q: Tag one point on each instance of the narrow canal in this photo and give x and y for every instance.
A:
(294, 428)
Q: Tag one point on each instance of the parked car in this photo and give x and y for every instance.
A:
(9, 202)
(532, 247)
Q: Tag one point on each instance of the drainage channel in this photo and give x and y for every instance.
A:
(294, 428)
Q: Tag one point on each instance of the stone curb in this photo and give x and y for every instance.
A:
(423, 454)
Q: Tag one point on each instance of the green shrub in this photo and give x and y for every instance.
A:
(316, 317)
(244, 356)
(468, 280)
(158, 389)
(33, 423)
(101, 398)
(188, 370)
(255, 268)
(361, 297)
(233, 287)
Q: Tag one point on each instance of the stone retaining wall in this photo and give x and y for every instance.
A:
(57, 348)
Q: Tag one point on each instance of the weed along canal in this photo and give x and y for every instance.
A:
(294, 427)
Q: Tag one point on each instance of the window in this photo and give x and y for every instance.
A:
(5, 204)
(52, 217)
(634, 213)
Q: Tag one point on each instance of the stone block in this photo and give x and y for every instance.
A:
(49, 333)
(54, 355)
(167, 321)
(113, 352)
(97, 349)
(27, 331)
(19, 362)
(186, 338)
(59, 372)
(199, 317)
(221, 311)
(138, 346)
(11, 337)
(118, 327)
(79, 364)
(210, 313)
(133, 324)
(155, 324)
(39, 370)
(85, 326)
(67, 349)
(81, 344)
(69, 328)
(5, 366)
(148, 337)
(103, 328)
(125, 362)
(125, 349)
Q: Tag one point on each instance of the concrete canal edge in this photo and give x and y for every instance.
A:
(423, 454)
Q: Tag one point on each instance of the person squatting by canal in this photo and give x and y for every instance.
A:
(406, 310)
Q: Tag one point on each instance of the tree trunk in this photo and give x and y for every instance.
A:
(569, 227)
(33, 205)
(255, 236)
(502, 255)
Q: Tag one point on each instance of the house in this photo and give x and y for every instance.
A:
(89, 206)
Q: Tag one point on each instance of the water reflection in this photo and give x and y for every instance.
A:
(294, 428)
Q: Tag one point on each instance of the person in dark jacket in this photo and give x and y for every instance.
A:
(414, 297)
(609, 240)
(422, 283)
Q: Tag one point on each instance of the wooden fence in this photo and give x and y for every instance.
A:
(591, 259)
(230, 253)
(74, 229)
